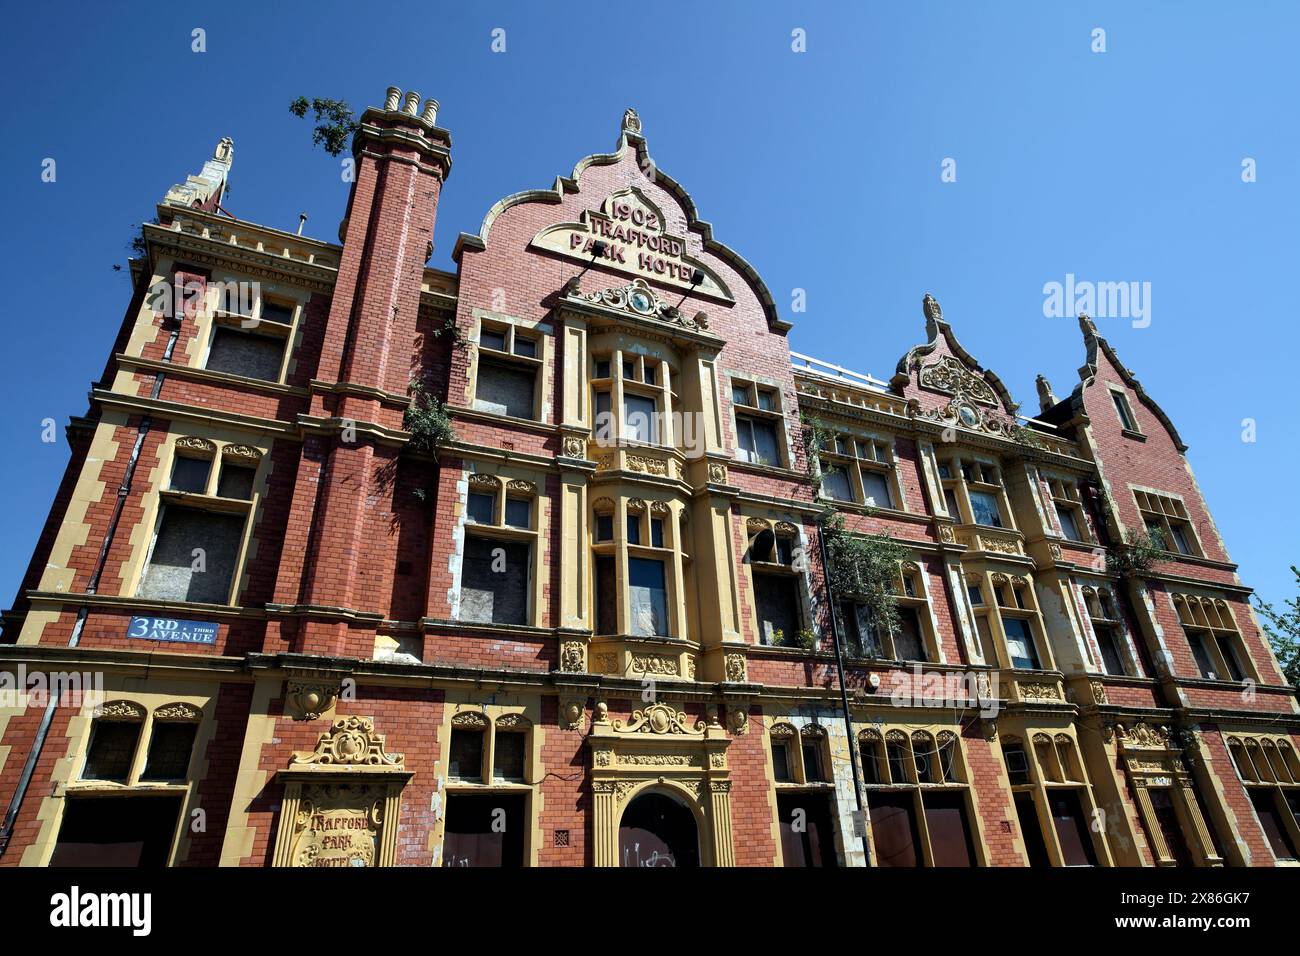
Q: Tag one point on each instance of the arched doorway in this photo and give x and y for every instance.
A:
(656, 830)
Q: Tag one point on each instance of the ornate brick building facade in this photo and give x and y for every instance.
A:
(593, 625)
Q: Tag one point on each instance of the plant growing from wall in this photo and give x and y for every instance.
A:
(815, 437)
(866, 568)
(1023, 435)
(1283, 630)
(1133, 558)
(808, 639)
(427, 420)
(335, 122)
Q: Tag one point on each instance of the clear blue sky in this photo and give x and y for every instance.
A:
(821, 168)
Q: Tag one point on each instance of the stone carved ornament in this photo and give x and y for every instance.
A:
(573, 657)
(308, 699)
(735, 668)
(352, 741)
(575, 447)
(659, 719)
(120, 710)
(639, 299)
(178, 711)
(950, 376)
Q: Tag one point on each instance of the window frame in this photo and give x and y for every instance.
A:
(503, 489)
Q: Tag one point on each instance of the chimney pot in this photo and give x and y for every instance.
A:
(394, 97)
(412, 103)
(430, 114)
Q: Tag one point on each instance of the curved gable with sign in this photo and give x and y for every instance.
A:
(646, 224)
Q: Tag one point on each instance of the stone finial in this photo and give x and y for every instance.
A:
(204, 190)
(631, 122)
(412, 105)
(430, 114)
(1046, 398)
(393, 98)
(930, 305)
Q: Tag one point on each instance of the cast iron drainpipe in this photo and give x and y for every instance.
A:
(863, 811)
(123, 492)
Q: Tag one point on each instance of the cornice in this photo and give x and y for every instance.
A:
(210, 252)
(172, 369)
(142, 405)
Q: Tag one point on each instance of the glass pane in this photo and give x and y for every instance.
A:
(519, 512)
(604, 527)
(767, 400)
(1020, 643)
(656, 532)
(649, 610)
(985, 509)
(812, 763)
(170, 746)
(466, 754)
(606, 596)
(1201, 654)
(1017, 764)
(639, 418)
(781, 762)
(876, 489)
(870, 753)
(1110, 655)
(739, 395)
(602, 369)
(112, 747)
(1228, 651)
(275, 312)
(1069, 527)
(190, 474)
(479, 509)
(508, 756)
(633, 529)
(525, 347)
(836, 483)
(493, 340)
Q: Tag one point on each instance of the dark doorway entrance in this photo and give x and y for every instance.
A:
(484, 830)
(1162, 804)
(806, 836)
(117, 831)
(658, 831)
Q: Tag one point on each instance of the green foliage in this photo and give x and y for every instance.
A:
(1283, 630)
(808, 639)
(815, 437)
(1134, 557)
(865, 567)
(427, 420)
(1026, 436)
(335, 122)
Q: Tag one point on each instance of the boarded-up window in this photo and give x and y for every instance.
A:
(494, 581)
(778, 608)
(1071, 831)
(193, 556)
(945, 818)
(236, 481)
(806, 835)
(649, 597)
(893, 829)
(485, 830)
(505, 388)
(242, 352)
(1271, 820)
